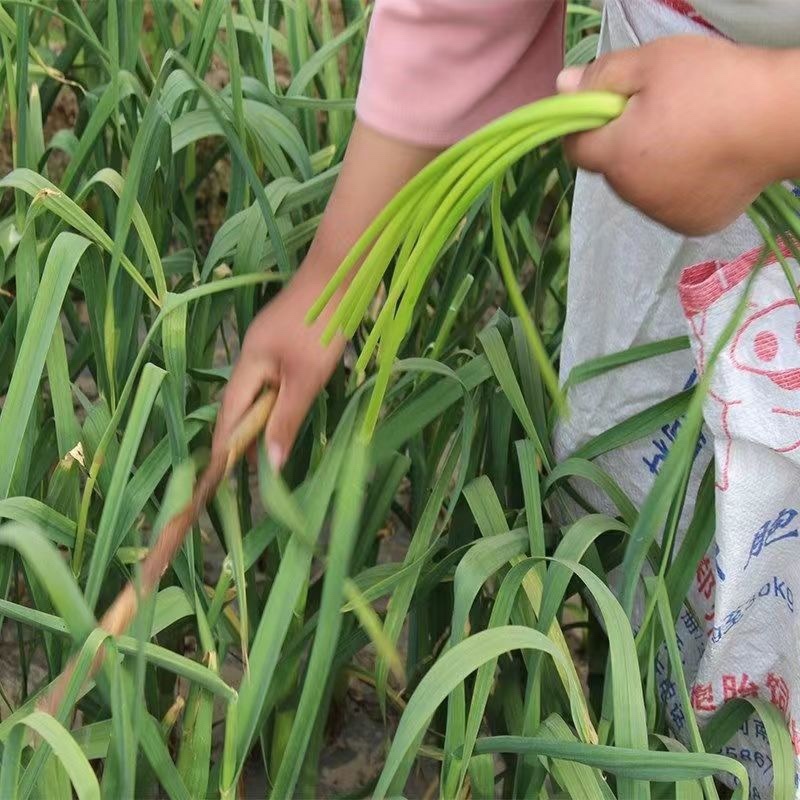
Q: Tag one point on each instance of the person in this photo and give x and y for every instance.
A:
(711, 121)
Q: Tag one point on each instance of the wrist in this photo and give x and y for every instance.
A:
(309, 282)
(327, 252)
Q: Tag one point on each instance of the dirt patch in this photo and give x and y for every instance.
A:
(62, 116)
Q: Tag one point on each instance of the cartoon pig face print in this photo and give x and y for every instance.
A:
(759, 397)
(768, 344)
(754, 395)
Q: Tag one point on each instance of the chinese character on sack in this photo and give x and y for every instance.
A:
(785, 518)
(759, 730)
(705, 577)
(778, 691)
(771, 532)
(732, 618)
(703, 697)
(717, 567)
(758, 543)
(691, 624)
(677, 715)
(666, 690)
(709, 617)
(732, 688)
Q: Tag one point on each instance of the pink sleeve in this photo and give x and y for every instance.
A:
(436, 70)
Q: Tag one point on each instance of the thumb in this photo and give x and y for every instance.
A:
(569, 80)
(619, 72)
(246, 381)
(294, 400)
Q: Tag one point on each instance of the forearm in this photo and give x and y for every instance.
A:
(375, 167)
(434, 71)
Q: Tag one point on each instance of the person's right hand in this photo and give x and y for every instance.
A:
(280, 350)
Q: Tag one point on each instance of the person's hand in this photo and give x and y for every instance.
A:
(706, 128)
(280, 350)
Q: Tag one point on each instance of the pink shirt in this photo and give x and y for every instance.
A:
(436, 70)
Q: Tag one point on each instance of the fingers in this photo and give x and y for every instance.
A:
(619, 72)
(569, 79)
(294, 400)
(592, 151)
(244, 386)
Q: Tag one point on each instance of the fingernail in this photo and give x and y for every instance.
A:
(569, 79)
(275, 456)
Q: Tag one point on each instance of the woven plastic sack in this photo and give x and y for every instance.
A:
(744, 637)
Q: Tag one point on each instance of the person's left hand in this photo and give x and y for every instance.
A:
(706, 129)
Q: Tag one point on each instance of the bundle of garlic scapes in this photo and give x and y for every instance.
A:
(418, 222)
